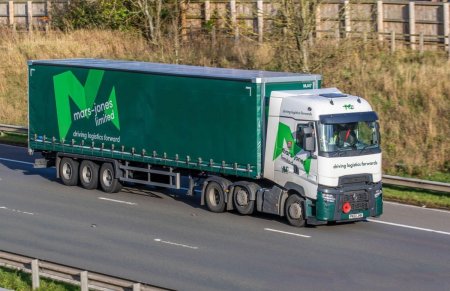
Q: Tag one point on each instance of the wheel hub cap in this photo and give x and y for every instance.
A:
(242, 198)
(295, 211)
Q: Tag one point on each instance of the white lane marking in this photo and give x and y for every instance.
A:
(13, 146)
(417, 207)
(175, 244)
(16, 161)
(408, 226)
(117, 201)
(285, 232)
(16, 210)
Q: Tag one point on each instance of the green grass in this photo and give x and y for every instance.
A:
(431, 199)
(439, 177)
(13, 138)
(20, 281)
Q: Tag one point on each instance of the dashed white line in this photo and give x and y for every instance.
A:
(175, 244)
(285, 232)
(16, 161)
(16, 210)
(409, 226)
(12, 146)
(117, 201)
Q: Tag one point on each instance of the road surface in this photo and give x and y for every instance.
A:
(165, 238)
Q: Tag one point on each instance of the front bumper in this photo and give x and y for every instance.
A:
(365, 201)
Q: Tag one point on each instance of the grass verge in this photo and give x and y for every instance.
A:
(418, 197)
(14, 138)
(20, 281)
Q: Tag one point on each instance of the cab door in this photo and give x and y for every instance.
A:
(292, 162)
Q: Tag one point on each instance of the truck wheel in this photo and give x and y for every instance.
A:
(108, 183)
(215, 197)
(294, 210)
(241, 199)
(89, 174)
(68, 171)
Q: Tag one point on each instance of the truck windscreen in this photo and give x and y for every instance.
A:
(350, 136)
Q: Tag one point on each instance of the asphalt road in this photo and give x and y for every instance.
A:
(167, 239)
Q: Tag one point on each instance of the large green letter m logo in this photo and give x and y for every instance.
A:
(285, 136)
(67, 86)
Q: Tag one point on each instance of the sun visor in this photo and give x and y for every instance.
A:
(348, 117)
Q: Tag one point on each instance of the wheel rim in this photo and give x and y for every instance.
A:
(67, 171)
(295, 211)
(214, 196)
(86, 174)
(107, 177)
(242, 197)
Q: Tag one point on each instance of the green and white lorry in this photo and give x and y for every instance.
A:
(262, 141)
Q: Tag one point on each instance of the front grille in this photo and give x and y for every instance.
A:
(359, 200)
(360, 206)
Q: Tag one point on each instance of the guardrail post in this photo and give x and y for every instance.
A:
(421, 43)
(448, 46)
(233, 19)
(84, 281)
(412, 25)
(392, 41)
(11, 13)
(380, 24)
(137, 287)
(35, 274)
(446, 24)
(347, 20)
(318, 21)
(30, 15)
(207, 10)
(260, 13)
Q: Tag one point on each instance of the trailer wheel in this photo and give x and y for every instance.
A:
(68, 170)
(108, 182)
(89, 174)
(215, 197)
(294, 210)
(242, 202)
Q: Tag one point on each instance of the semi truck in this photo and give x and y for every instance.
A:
(246, 140)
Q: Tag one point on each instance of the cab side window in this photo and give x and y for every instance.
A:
(299, 134)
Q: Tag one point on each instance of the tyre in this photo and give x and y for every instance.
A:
(108, 182)
(215, 197)
(294, 210)
(68, 171)
(242, 202)
(88, 174)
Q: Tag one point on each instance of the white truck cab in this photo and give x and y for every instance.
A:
(324, 146)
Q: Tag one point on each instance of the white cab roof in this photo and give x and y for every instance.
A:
(310, 104)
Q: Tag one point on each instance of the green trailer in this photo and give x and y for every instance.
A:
(248, 140)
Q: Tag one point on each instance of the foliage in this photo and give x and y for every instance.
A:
(20, 281)
(88, 14)
(296, 19)
(409, 91)
(150, 17)
(424, 198)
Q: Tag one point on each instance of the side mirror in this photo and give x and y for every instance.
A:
(308, 139)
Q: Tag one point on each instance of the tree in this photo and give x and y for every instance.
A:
(149, 14)
(298, 18)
